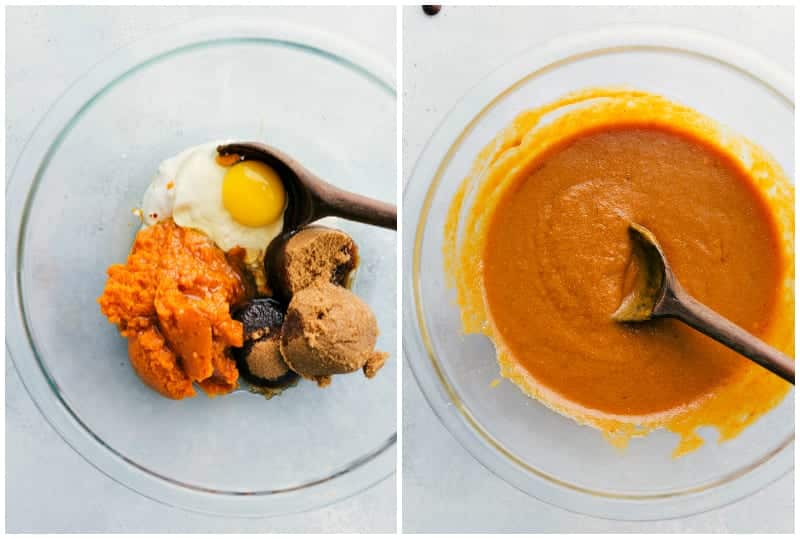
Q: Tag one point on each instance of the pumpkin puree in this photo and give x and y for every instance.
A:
(172, 300)
(536, 244)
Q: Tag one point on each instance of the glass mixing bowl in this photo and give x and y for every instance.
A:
(325, 102)
(538, 451)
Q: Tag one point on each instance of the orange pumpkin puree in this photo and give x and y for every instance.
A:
(539, 255)
(172, 300)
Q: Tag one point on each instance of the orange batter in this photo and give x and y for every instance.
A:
(172, 299)
(541, 260)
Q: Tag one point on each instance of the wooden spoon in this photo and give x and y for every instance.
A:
(658, 294)
(309, 197)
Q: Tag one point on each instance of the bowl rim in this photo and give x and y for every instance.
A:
(417, 197)
(349, 479)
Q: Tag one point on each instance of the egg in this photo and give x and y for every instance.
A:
(253, 194)
(241, 205)
(159, 198)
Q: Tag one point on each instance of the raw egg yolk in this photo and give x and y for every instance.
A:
(253, 193)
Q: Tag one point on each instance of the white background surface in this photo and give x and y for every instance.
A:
(49, 487)
(444, 488)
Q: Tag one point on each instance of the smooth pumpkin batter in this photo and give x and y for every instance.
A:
(172, 299)
(540, 255)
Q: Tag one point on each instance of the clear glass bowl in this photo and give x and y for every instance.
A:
(325, 102)
(536, 450)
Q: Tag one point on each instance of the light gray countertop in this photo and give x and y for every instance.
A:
(49, 487)
(444, 488)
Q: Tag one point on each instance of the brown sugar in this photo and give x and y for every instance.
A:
(313, 255)
(328, 330)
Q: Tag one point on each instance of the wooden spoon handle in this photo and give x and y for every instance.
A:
(695, 314)
(338, 203)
